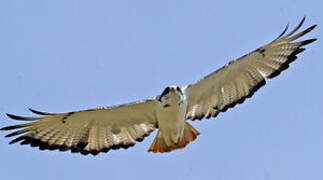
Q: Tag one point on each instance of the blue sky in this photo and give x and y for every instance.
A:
(60, 56)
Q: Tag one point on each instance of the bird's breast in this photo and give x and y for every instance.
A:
(171, 121)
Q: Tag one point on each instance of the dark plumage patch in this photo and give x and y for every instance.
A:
(66, 116)
(166, 105)
(261, 51)
(165, 92)
(178, 89)
(81, 145)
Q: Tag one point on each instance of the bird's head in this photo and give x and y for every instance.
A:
(171, 95)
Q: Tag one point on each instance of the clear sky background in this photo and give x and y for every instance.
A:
(67, 55)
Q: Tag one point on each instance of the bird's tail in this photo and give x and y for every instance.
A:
(159, 145)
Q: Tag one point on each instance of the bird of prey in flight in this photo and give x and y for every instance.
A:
(99, 130)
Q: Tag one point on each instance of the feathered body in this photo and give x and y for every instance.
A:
(99, 130)
(174, 132)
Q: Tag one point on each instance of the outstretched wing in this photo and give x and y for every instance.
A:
(238, 80)
(90, 131)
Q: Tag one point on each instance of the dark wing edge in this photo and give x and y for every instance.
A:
(282, 41)
(28, 135)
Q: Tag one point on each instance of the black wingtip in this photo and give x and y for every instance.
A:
(38, 112)
(312, 27)
(22, 131)
(14, 127)
(309, 29)
(8, 128)
(21, 118)
(284, 31)
(33, 111)
(308, 41)
(301, 23)
(3, 129)
(14, 117)
(303, 19)
(11, 134)
(17, 140)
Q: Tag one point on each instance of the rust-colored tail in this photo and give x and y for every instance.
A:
(159, 145)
